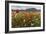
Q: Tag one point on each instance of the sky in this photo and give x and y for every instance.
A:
(25, 7)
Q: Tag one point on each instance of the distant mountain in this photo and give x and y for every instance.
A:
(31, 9)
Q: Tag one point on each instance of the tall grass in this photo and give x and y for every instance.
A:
(26, 19)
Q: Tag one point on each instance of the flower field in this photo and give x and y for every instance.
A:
(26, 19)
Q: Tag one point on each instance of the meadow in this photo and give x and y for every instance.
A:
(26, 19)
